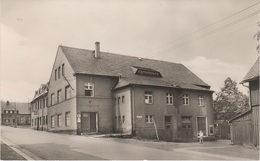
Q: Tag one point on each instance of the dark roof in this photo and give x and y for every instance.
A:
(21, 107)
(253, 72)
(173, 75)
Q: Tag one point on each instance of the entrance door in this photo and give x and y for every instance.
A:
(187, 132)
(89, 122)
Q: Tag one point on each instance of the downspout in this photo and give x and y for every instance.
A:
(132, 109)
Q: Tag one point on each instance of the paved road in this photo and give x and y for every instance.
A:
(49, 146)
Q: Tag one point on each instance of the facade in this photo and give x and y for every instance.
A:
(39, 113)
(99, 92)
(245, 127)
(15, 113)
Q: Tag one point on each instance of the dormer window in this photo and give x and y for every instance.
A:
(146, 71)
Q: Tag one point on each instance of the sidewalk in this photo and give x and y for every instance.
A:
(8, 154)
(221, 148)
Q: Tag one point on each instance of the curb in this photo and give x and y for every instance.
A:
(22, 152)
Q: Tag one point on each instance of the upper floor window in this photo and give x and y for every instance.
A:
(185, 99)
(59, 72)
(89, 89)
(169, 98)
(119, 99)
(11, 111)
(67, 92)
(201, 100)
(59, 96)
(52, 99)
(62, 69)
(149, 118)
(55, 74)
(148, 97)
(123, 99)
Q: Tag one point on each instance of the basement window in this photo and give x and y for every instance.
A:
(146, 71)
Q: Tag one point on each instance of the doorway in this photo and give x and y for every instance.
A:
(89, 122)
(187, 131)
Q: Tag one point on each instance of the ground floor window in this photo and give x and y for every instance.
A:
(149, 118)
(67, 118)
(7, 120)
(202, 125)
(52, 121)
(59, 120)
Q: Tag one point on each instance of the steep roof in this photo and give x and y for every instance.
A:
(253, 72)
(21, 107)
(173, 74)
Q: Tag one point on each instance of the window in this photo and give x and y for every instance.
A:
(11, 111)
(67, 119)
(67, 92)
(52, 99)
(62, 69)
(59, 96)
(43, 102)
(46, 119)
(43, 120)
(123, 99)
(119, 98)
(211, 130)
(40, 120)
(123, 119)
(202, 125)
(119, 119)
(146, 71)
(148, 98)
(59, 72)
(149, 119)
(5, 111)
(59, 120)
(7, 120)
(185, 99)
(167, 119)
(52, 121)
(89, 89)
(22, 119)
(201, 100)
(169, 98)
(55, 74)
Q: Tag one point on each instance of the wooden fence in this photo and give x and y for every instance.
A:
(241, 132)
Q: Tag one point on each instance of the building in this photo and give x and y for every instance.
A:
(222, 129)
(99, 92)
(15, 113)
(245, 126)
(39, 113)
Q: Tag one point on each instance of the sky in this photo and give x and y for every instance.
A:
(213, 38)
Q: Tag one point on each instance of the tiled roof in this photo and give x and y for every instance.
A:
(21, 107)
(253, 72)
(173, 74)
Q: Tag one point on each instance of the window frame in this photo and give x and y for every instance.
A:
(53, 99)
(59, 120)
(169, 98)
(186, 99)
(149, 119)
(67, 119)
(89, 86)
(201, 100)
(67, 92)
(58, 72)
(59, 98)
(148, 96)
(53, 121)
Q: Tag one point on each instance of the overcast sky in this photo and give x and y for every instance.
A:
(213, 38)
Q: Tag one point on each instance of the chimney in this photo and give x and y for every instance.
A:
(97, 50)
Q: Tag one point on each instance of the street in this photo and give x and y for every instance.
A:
(40, 145)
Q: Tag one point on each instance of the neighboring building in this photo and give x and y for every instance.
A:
(245, 127)
(15, 113)
(39, 113)
(222, 129)
(100, 92)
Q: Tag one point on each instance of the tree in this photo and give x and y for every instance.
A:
(229, 101)
(257, 36)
